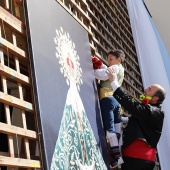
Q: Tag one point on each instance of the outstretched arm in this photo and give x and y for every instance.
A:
(137, 109)
(102, 74)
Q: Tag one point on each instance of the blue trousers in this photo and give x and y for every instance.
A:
(110, 109)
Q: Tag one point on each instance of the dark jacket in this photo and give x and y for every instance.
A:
(145, 123)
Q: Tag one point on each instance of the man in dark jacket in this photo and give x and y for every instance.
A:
(143, 131)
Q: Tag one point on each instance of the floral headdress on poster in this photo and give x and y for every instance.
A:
(68, 58)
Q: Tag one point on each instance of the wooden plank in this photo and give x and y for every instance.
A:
(13, 101)
(13, 130)
(16, 7)
(26, 142)
(19, 162)
(7, 113)
(27, 148)
(14, 39)
(12, 21)
(11, 146)
(19, 2)
(8, 118)
(6, 2)
(12, 48)
(11, 73)
(4, 84)
(1, 56)
(17, 65)
(10, 139)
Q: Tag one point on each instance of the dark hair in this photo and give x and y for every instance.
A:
(161, 94)
(117, 53)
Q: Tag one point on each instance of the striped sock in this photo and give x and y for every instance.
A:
(114, 163)
(115, 152)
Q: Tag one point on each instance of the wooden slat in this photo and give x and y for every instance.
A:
(6, 2)
(16, 7)
(12, 48)
(13, 130)
(4, 84)
(20, 57)
(11, 73)
(1, 56)
(8, 118)
(13, 101)
(18, 162)
(26, 142)
(12, 21)
(27, 148)
(11, 146)
(10, 139)
(19, 1)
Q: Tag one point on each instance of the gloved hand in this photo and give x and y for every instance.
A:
(97, 63)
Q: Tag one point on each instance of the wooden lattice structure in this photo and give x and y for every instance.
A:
(19, 147)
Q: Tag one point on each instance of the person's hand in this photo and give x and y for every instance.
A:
(111, 74)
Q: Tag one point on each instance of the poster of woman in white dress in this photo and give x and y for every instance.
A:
(76, 146)
(69, 120)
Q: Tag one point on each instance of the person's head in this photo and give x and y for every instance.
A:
(157, 93)
(115, 57)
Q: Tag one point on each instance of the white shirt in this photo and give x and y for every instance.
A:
(101, 74)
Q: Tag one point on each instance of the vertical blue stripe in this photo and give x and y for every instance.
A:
(163, 50)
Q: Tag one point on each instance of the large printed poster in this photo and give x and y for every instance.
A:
(72, 134)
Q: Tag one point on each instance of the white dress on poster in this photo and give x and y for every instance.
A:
(76, 147)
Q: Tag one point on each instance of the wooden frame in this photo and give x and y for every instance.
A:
(13, 62)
